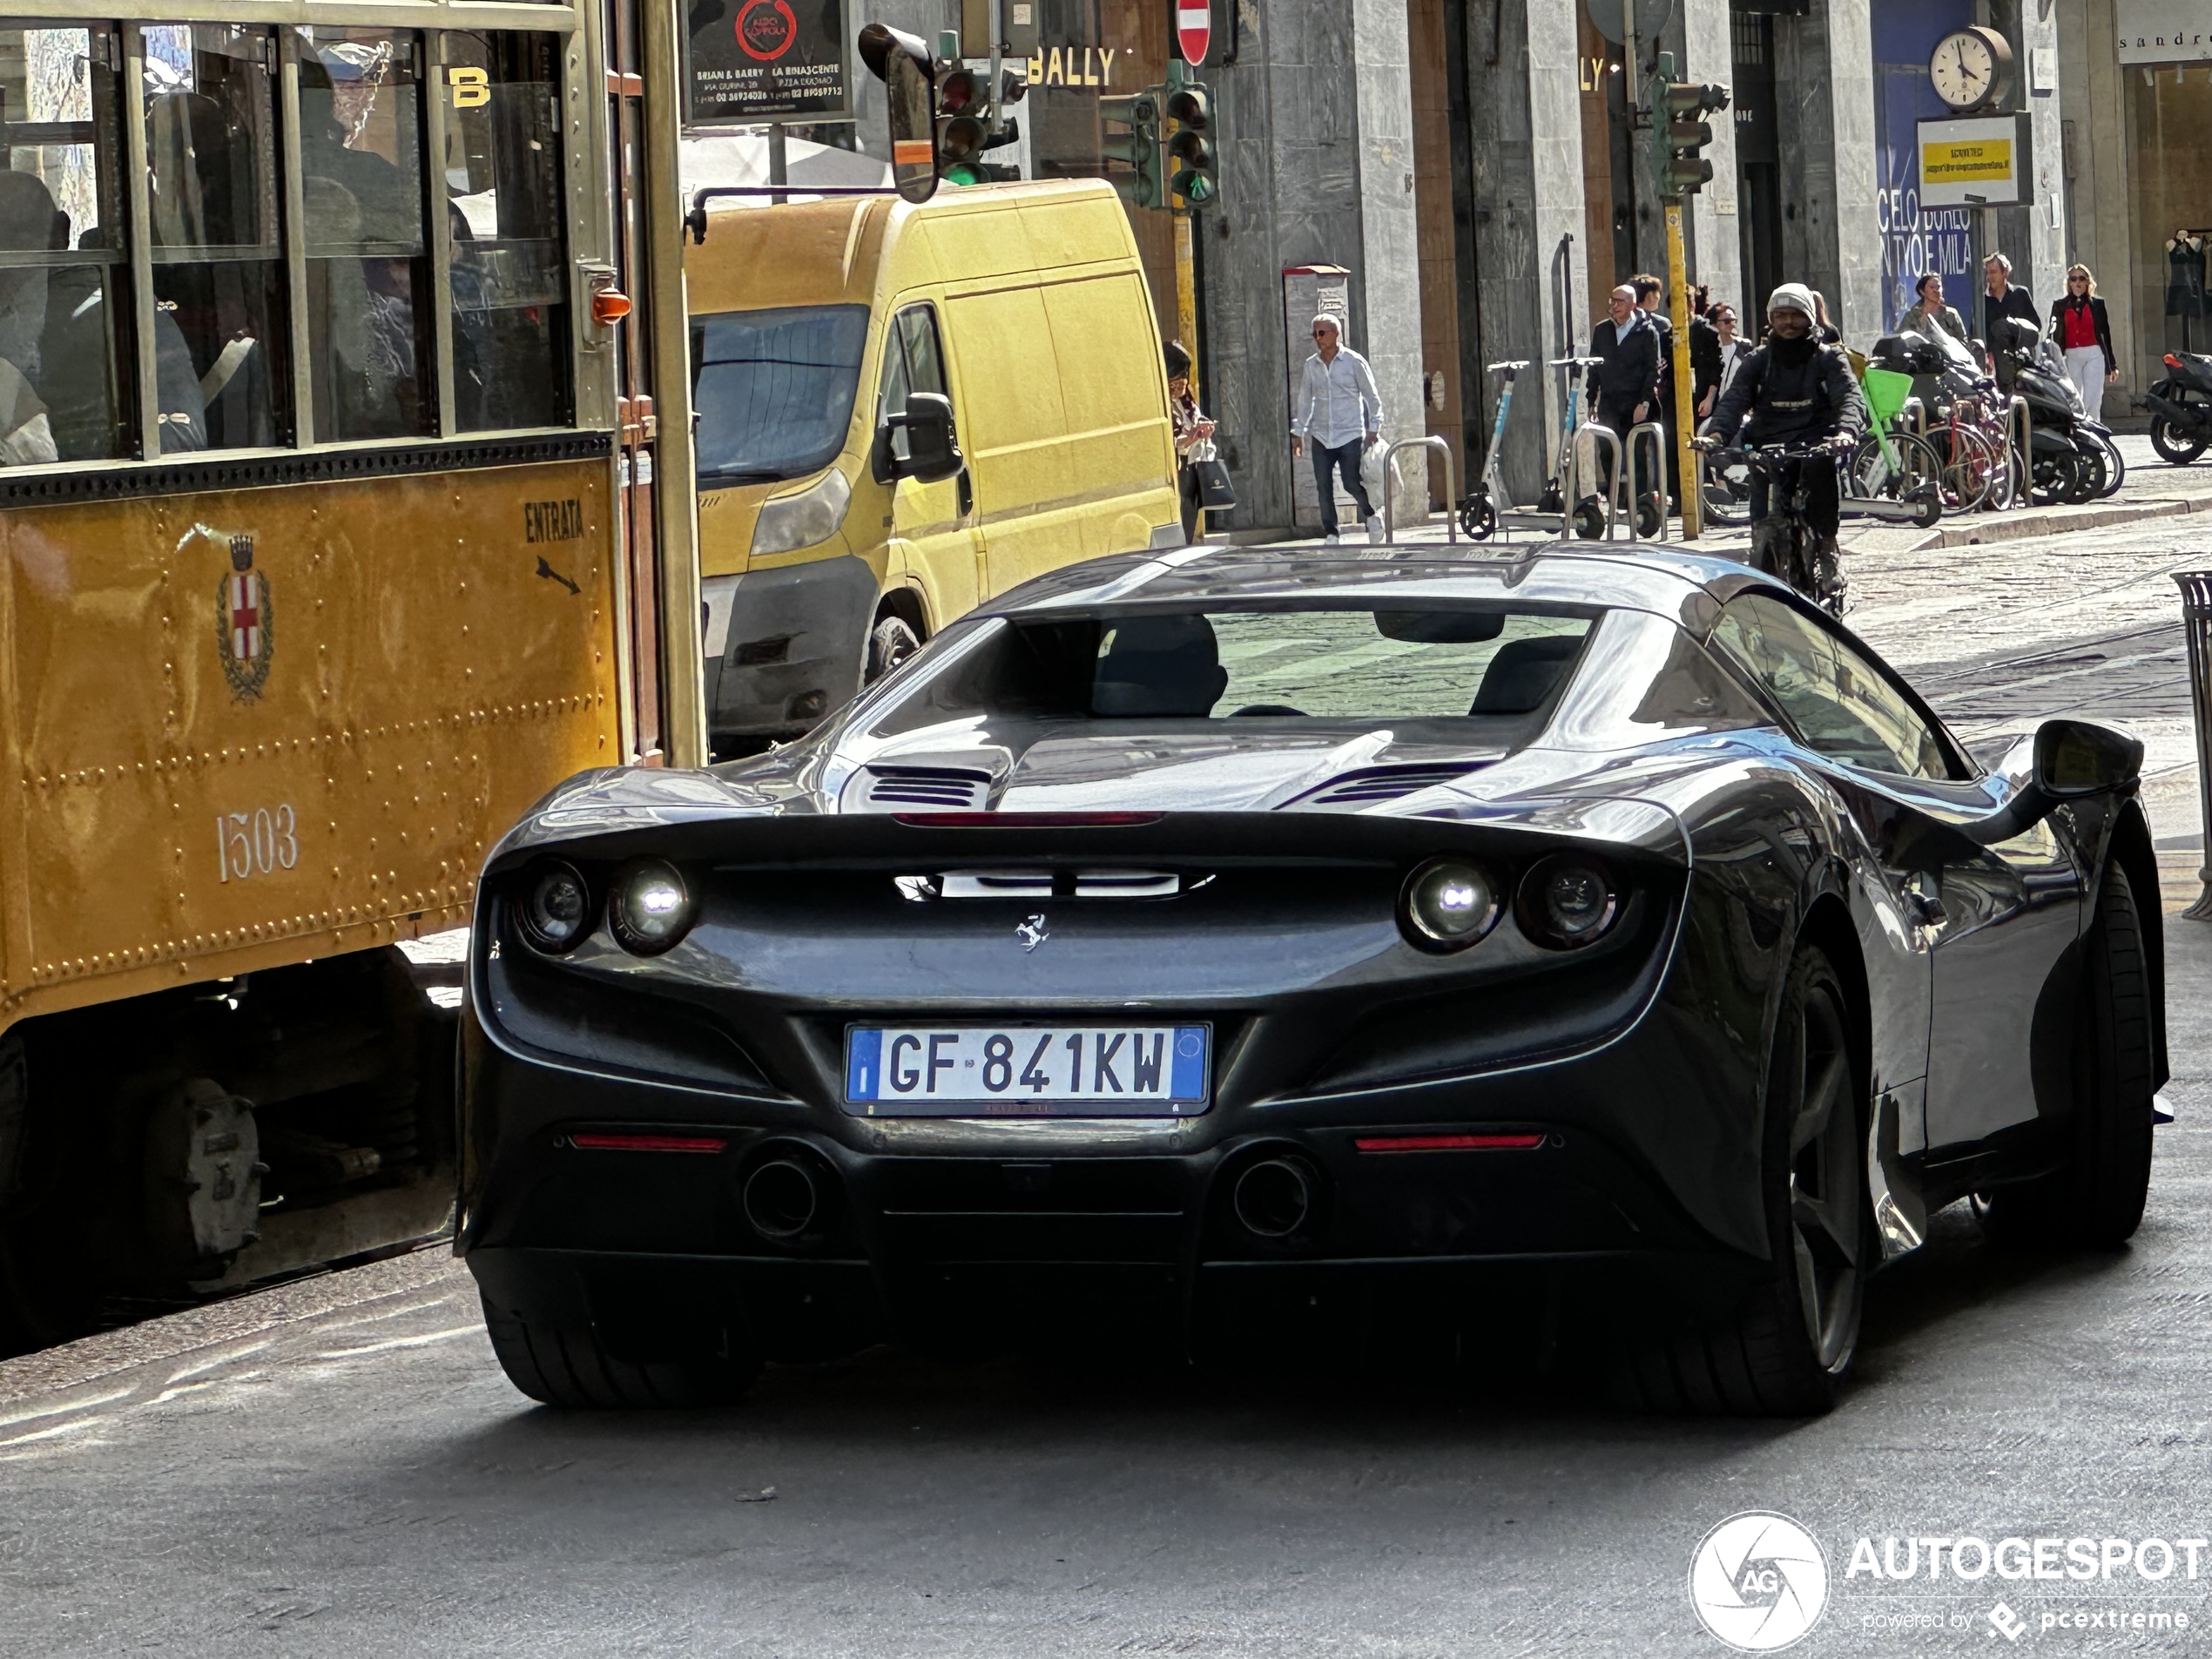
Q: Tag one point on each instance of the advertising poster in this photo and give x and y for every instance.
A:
(753, 61)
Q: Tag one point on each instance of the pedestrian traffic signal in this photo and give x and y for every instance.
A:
(1682, 133)
(1191, 107)
(1137, 144)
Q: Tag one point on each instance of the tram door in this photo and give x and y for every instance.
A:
(636, 430)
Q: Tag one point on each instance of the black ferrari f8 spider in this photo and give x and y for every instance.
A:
(1255, 946)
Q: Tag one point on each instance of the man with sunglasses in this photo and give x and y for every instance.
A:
(1339, 412)
(1795, 390)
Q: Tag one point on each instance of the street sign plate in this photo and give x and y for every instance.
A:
(1194, 30)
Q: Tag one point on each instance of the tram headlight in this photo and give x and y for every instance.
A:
(1567, 901)
(810, 517)
(556, 911)
(1448, 904)
(648, 908)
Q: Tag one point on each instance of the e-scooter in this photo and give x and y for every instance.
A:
(1488, 507)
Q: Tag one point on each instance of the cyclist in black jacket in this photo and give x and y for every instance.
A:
(1794, 390)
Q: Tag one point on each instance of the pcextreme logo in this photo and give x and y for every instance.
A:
(1759, 1582)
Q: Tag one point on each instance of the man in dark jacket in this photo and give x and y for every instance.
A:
(1795, 390)
(2003, 297)
(1625, 387)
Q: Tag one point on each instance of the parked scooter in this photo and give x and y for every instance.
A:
(2066, 460)
(2181, 408)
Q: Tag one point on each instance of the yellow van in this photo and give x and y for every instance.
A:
(903, 409)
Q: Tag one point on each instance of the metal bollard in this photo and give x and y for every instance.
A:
(1600, 437)
(1451, 486)
(1915, 415)
(2196, 623)
(2019, 427)
(1653, 437)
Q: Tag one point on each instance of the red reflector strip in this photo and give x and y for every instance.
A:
(1448, 1143)
(647, 1142)
(1024, 820)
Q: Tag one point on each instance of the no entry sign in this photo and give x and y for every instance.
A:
(1193, 29)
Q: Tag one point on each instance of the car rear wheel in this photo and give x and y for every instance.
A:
(1790, 1343)
(572, 1366)
(2096, 1196)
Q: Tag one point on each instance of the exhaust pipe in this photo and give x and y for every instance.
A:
(1274, 1198)
(781, 1199)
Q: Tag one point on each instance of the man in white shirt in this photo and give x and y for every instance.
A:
(1338, 408)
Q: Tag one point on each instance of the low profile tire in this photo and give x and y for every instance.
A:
(1790, 1343)
(571, 1367)
(2095, 1198)
(890, 642)
(2171, 445)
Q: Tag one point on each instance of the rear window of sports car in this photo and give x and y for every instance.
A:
(1344, 664)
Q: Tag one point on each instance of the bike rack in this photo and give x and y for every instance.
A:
(2020, 435)
(1451, 486)
(1656, 436)
(1914, 414)
(1604, 436)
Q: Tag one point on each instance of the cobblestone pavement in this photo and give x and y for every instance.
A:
(337, 1466)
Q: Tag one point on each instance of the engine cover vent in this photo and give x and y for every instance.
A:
(1374, 784)
(950, 789)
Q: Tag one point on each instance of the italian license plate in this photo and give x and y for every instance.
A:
(990, 1071)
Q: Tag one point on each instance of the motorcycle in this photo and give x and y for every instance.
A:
(2066, 460)
(2180, 408)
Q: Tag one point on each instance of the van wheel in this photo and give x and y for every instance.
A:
(893, 641)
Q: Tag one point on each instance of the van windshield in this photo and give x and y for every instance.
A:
(774, 389)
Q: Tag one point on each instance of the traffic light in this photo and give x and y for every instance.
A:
(1137, 144)
(964, 121)
(1191, 107)
(1682, 133)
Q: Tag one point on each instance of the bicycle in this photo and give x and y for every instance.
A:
(1785, 543)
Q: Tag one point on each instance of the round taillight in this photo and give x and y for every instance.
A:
(556, 908)
(1567, 901)
(648, 908)
(1448, 904)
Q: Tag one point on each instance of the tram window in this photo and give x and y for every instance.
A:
(64, 289)
(368, 268)
(223, 372)
(502, 181)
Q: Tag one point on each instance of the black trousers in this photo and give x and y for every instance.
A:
(1823, 506)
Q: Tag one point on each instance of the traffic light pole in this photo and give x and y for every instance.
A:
(1686, 469)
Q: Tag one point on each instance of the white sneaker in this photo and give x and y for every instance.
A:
(1330, 539)
(1375, 531)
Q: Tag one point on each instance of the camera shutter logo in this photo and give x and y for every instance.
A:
(765, 29)
(1759, 1582)
(245, 623)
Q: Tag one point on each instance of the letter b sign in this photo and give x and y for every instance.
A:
(471, 87)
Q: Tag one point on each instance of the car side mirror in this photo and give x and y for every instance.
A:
(2076, 758)
(933, 443)
(2072, 759)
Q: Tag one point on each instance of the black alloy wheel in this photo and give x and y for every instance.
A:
(891, 642)
(2116, 466)
(1791, 1344)
(2171, 445)
(2095, 1198)
(2089, 466)
(2055, 479)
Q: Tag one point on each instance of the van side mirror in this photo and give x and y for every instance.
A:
(2072, 759)
(933, 444)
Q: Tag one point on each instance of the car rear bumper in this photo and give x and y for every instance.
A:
(598, 1195)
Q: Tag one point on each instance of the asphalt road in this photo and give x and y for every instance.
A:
(338, 1466)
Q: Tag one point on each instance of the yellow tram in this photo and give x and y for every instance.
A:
(345, 506)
